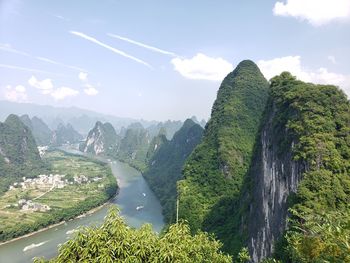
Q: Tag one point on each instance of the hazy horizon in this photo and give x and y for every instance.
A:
(162, 60)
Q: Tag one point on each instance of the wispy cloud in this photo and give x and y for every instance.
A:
(61, 17)
(155, 49)
(27, 69)
(59, 64)
(10, 49)
(117, 51)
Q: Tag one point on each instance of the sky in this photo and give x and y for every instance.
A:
(159, 59)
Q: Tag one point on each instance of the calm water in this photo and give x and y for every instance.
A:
(134, 192)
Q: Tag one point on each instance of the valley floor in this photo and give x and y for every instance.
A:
(76, 185)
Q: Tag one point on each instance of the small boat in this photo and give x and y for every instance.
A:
(139, 207)
(144, 194)
(69, 232)
(33, 246)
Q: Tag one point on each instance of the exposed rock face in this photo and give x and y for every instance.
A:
(274, 176)
(102, 139)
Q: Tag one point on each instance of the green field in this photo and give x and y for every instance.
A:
(65, 203)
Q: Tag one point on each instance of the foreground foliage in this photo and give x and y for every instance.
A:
(319, 238)
(114, 241)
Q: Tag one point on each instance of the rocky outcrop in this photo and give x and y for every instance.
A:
(274, 176)
(101, 140)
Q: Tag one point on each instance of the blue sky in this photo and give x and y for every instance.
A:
(163, 59)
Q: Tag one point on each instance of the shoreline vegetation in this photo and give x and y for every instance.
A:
(89, 212)
(89, 205)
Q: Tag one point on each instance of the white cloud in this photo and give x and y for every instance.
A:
(273, 67)
(83, 76)
(45, 86)
(202, 67)
(155, 49)
(117, 51)
(63, 92)
(90, 91)
(17, 94)
(332, 59)
(316, 12)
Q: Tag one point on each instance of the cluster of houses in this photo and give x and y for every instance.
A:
(42, 181)
(29, 205)
(47, 182)
(42, 150)
(51, 181)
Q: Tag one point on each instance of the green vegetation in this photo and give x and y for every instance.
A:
(114, 241)
(41, 132)
(19, 155)
(312, 122)
(65, 203)
(165, 167)
(215, 170)
(134, 146)
(65, 134)
(318, 119)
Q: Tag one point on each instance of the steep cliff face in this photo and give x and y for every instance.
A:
(275, 175)
(102, 139)
(301, 161)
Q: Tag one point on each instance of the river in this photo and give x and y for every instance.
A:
(134, 192)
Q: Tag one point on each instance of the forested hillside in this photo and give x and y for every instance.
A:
(19, 155)
(165, 167)
(242, 186)
(215, 170)
(41, 132)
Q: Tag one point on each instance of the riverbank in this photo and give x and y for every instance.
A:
(87, 184)
(93, 210)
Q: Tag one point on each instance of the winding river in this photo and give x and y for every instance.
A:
(134, 193)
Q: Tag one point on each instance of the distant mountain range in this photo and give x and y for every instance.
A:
(81, 119)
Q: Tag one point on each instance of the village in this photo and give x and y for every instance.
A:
(47, 183)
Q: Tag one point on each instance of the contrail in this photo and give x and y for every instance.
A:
(117, 51)
(28, 69)
(162, 51)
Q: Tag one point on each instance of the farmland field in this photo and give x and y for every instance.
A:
(85, 184)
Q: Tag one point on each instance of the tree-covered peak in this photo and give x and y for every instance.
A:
(188, 123)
